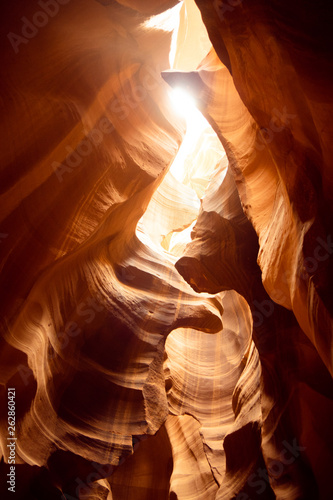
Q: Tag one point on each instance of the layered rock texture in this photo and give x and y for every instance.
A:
(166, 277)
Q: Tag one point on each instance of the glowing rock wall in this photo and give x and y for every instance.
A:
(168, 335)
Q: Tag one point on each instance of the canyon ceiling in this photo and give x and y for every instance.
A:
(166, 270)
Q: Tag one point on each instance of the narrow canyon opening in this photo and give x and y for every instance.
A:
(166, 254)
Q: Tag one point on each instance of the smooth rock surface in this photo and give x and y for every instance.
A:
(166, 275)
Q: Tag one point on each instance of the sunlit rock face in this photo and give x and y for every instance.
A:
(166, 272)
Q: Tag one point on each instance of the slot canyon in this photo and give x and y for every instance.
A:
(166, 243)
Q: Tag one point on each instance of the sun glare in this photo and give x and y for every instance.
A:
(184, 103)
(168, 221)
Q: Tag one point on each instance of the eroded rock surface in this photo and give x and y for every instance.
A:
(166, 304)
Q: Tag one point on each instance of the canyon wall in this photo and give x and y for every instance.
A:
(166, 304)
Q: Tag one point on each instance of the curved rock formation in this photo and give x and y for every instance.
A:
(166, 280)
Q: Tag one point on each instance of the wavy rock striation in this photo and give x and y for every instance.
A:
(166, 281)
